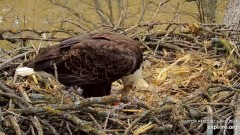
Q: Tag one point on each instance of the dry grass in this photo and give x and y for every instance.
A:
(181, 75)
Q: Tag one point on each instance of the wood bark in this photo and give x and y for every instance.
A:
(232, 16)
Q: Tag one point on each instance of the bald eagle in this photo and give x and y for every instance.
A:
(91, 61)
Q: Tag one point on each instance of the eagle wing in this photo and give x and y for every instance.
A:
(91, 59)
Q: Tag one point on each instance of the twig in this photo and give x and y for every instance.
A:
(184, 128)
(224, 87)
(101, 14)
(110, 8)
(78, 105)
(23, 93)
(163, 44)
(120, 20)
(33, 38)
(161, 41)
(144, 128)
(55, 71)
(95, 121)
(32, 130)
(144, 5)
(159, 5)
(15, 125)
(106, 120)
(80, 124)
(49, 126)
(71, 22)
(97, 100)
(14, 58)
(37, 124)
(13, 96)
(68, 128)
(126, 132)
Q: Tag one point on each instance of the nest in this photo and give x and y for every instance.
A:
(189, 85)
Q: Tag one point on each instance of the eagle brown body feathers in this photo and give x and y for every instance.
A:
(91, 61)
